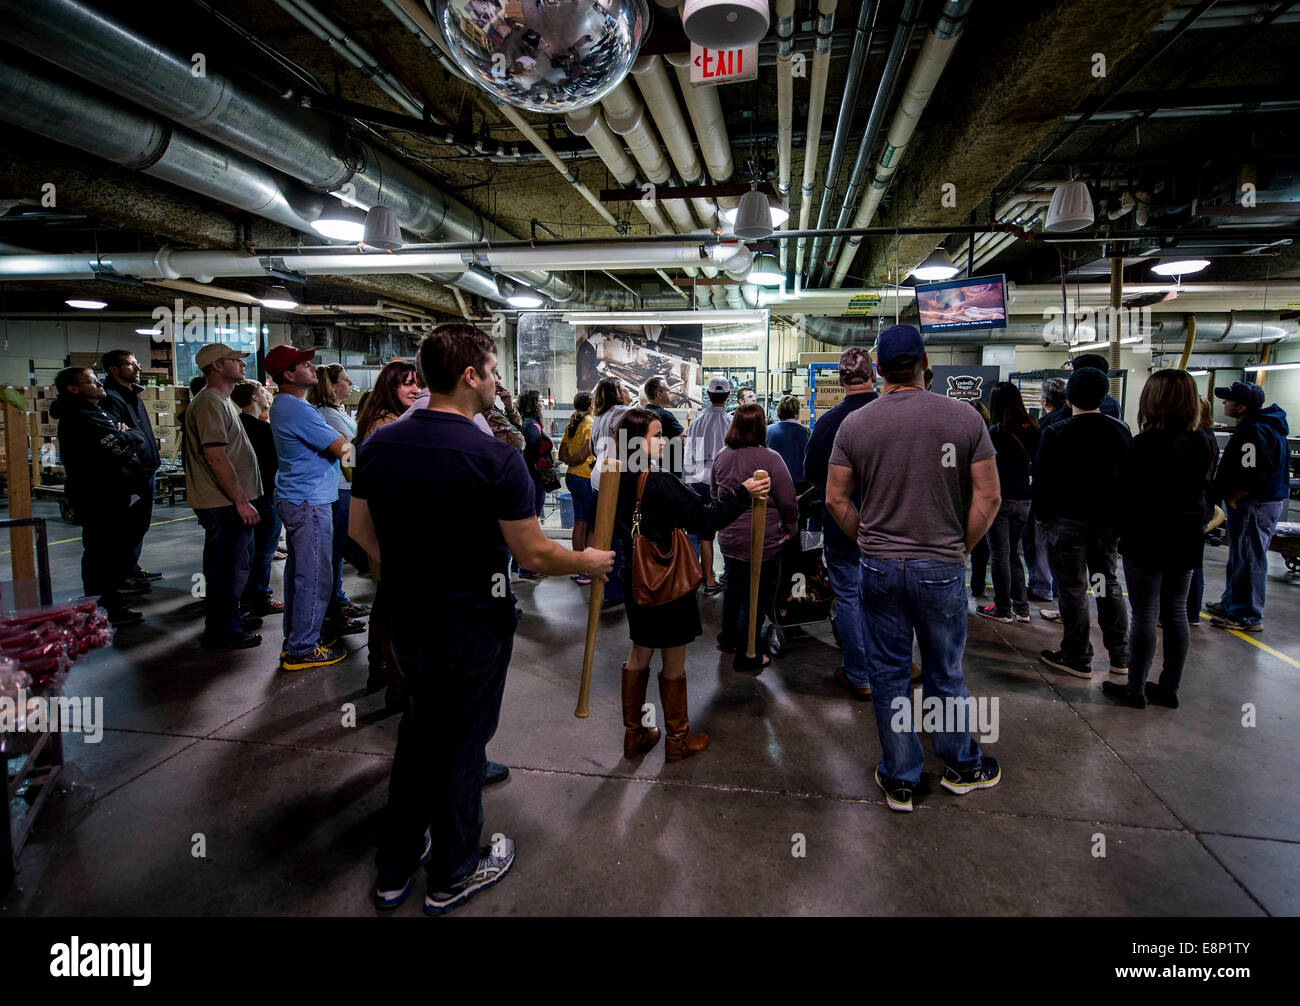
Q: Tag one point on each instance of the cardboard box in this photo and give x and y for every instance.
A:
(167, 438)
(163, 407)
(149, 394)
(47, 430)
(173, 393)
(90, 360)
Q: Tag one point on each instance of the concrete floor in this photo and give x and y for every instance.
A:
(1201, 815)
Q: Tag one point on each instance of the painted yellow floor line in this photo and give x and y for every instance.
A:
(1255, 642)
(64, 541)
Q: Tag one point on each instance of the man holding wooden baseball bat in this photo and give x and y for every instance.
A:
(440, 503)
(929, 484)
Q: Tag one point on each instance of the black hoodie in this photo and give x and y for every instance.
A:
(99, 458)
(123, 403)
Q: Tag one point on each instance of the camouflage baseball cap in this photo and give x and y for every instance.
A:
(855, 366)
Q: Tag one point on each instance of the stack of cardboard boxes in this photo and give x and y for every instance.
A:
(165, 406)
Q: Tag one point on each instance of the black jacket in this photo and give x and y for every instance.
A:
(99, 458)
(1077, 471)
(1166, 477)
(124, 404)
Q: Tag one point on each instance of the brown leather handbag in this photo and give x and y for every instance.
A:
(660, 577)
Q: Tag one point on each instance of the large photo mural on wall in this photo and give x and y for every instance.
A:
(635, 353)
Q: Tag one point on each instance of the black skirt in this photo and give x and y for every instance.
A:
(676, 623)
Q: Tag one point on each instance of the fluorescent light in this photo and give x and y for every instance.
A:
(1103, 344)
(278, 298)
(342, 223)
(148, 331)
(87, 305)
(938, 265)
(1180, 267)
(524, 298)
(686, 317)
(1199, 373)
(1274, 366)
(767, 271)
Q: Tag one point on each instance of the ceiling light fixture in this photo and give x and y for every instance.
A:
(779, 214)
(1180, 267)
(725, 24)
(767, 271)
(753, 216)
(148, 331)
(938, 265)
(1102, 344)
(1199, 373)
(1070, 209)
(342, 223)
(278, 298)
(525, 299)
(1273, 366)
(381, 230)
(86, 305)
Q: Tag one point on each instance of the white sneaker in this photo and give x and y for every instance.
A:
(1051, 614)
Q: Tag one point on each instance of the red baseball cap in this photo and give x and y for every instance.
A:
(285, 357)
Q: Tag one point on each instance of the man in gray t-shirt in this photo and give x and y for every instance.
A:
(929, 490)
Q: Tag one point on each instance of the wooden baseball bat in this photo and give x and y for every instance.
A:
(611, 477)
(757, 525)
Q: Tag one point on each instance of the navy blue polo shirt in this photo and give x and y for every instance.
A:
(436, 486)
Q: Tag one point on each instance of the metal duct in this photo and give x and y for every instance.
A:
(930, 63)
(784, 98)
(625, 115)
(297, 141)
(862, 38)
(589, 122)
(884, 95)
(35, 96)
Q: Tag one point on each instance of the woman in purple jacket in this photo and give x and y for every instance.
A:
(746, 452)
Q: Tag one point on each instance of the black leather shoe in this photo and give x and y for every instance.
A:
(124, 616)
(343, 627)
(244, 641)
(495, 773)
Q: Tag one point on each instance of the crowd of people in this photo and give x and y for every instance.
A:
(914, 486)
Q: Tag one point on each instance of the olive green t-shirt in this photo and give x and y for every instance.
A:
(213, 420)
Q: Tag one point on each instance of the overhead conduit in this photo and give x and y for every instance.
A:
(935, 53)
(705, 111)
(816, 104)
(660, 98)
(889, 78)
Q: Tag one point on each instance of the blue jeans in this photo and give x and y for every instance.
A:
(307, 574)
(584, 506)
(454, 693)
(227, 545)
(266, 538)
(339, 515)
(1196, 595)
(845, 569)
(927, 597)
(1250, 528)
(1035, 546)
(146, 504)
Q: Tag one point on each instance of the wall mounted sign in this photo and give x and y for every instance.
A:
(723, 66)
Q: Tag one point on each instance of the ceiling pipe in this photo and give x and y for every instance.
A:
(935, 53)
(816, 104)
(590, 123)
(889, 78)
(863, 34)
(625, 115)
(705, 111)
(666, 111)
(784, 99)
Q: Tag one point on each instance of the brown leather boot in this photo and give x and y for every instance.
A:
(637, 740)
(681, 743)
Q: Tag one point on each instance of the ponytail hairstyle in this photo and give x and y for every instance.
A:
(581, 406)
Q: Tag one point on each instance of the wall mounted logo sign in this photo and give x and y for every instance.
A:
(965, 387)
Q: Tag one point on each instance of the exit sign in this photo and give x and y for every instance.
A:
(723, 66)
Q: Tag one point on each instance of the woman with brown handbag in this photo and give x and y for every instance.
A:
(659, 581)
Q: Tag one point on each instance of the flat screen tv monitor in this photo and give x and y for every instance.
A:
(978, 302)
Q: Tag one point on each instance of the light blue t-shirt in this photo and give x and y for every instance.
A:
(306, 473)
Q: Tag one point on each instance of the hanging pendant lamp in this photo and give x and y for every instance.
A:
(753, 216)
(1071, 208)
(381, 229)
(725, 24)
